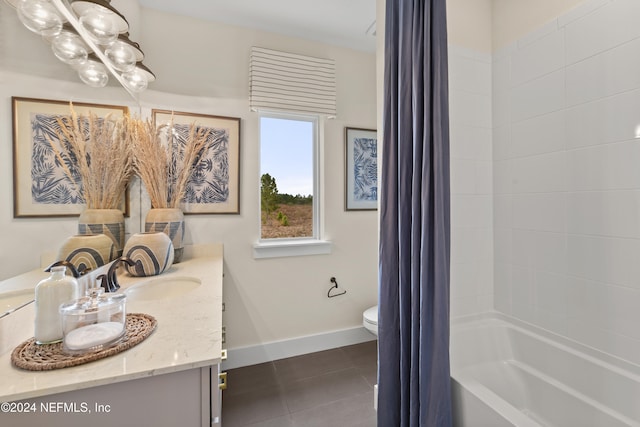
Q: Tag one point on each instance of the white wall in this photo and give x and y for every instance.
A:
(266, 300)
(471, 181)
(469, 35)
(469, 24)
(513, 19)
(566, 177)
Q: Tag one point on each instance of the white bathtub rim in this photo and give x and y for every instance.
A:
(507, 410)
(593, 355)
(501, 407)
(592, 402)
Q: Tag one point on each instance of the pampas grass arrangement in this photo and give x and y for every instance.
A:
(100, 150)
(164, 164)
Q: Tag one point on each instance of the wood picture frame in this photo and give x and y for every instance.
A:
(214, 187)
(40, 186)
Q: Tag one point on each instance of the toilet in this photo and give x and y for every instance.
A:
(370, 319)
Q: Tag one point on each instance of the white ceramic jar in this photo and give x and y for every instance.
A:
(51, 293)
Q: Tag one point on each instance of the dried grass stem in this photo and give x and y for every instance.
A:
(163, 164)
(101, 150)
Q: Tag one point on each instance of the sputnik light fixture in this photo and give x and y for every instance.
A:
(91, 36)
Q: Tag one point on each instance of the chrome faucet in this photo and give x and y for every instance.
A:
(109, 281)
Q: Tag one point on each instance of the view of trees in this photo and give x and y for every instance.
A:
(268, 195)
(284, 211)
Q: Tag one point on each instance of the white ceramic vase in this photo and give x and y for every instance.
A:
(88, 251)
(152, 252)
(171, 222)
(104, 221)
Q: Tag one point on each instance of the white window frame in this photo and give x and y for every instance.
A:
(297, 246)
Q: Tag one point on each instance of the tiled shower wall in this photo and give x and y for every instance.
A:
(566, 177)
(471, 183)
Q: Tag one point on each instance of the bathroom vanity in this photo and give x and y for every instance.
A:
(170, 378)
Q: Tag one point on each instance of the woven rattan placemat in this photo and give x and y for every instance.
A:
(46, 357)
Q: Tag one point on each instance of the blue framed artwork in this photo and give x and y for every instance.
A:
(361, 148)
(40, 186)
(214, 187)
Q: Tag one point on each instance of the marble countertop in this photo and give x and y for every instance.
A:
(188, 334)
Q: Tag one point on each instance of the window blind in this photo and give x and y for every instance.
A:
(290, 82)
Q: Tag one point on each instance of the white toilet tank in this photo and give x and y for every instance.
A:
(370, 319)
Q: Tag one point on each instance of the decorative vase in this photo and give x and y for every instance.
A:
(170, 221)
(88, 251)
(152, 253)
(104, 221)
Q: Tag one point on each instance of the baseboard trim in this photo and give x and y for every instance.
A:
(267, 352)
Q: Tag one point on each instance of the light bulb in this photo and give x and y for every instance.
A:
(122, 56)
(40, 16)
(135, 80)
(93, 74)
(69, 48)
(100, 25)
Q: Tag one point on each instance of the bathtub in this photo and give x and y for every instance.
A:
(508, 373)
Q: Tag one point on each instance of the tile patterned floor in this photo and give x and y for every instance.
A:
(329, 388)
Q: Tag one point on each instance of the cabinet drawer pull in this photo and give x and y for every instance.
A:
(223, 381)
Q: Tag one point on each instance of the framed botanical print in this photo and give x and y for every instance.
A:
(40, 186)
(214, 186)
(361, 163)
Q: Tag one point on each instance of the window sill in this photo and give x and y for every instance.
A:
(290, 247)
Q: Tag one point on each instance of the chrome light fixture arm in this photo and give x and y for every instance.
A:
(92, 37)
(64, 8)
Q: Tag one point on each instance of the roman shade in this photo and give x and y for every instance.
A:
(290, 82)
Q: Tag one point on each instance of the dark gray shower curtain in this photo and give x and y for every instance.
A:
(413, 330)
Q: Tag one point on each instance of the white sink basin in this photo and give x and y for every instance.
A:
(10, 301)
(162, 288)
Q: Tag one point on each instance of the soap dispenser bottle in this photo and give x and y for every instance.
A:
(50, 294)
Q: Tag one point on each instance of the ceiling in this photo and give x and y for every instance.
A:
(347, 23)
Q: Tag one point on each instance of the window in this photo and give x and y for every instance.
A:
(289, 184)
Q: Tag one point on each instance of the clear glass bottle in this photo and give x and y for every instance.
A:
(50, 294)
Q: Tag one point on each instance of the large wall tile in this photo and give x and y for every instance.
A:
(463, 176)
(502, 244)
(540, 211)
(611, 25)
(502, 142)
(471, 177)
(471, 109)
(583, 9)
(550, 320)
(470, 74)
(501, 86)
(605, 167)
(604, 213)
(538, 58)
(470, 244)
(539, 250)
(502, 287)
(472, 211)
(484, 177)
(611, 72)
(470, 142)
(604, 259)
(607, 120)
(540, 96)
(502, 177)
(523, 293)
(551, 292)
(542, 173)
(503, 210)
(541, 134)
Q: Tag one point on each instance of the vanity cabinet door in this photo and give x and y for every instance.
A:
(174, 399)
